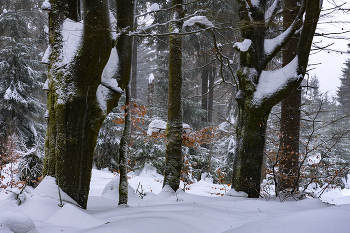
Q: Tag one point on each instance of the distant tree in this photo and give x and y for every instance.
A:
(290, 114)
(22, 33)
(343, 91)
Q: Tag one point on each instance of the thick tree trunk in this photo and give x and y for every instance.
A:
(254, 98)
(123, 152)
(173, 150)
(76, 107)
(290, 115)
(251, 131)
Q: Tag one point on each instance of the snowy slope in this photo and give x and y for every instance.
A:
(166, 211)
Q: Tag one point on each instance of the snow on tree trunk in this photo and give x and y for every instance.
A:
(173, 150)
(79, 99)
(123, 152)
(260, 90)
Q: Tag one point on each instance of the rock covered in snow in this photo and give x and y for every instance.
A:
(111, 191)
(156, 126)
(73, 216)
(49, 188)
(16, 222)
(159, 126)
(234, 193)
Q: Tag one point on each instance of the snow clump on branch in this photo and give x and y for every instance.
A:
(154, 7)
(271, 82)
(202, 20)
(243, 46)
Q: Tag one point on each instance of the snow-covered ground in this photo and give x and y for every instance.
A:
(200, 209)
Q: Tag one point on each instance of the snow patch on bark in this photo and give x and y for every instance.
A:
(271, 82)
(102, 95)
(113, 26)
(46, 57)
(110, 71)
(72, 35)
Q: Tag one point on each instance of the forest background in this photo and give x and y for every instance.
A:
(209, 109)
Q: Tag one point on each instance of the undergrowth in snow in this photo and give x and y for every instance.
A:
(204, 207)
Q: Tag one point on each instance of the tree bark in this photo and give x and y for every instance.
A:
(173, 150)
(123, 152)
(211, 94)
(75, 111)
(205, 74)
(254, 111)
(290, 115)
(134, 70)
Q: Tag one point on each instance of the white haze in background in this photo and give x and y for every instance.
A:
(329, 71)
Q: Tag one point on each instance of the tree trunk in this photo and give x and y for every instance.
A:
(205, 74)
(211, 94)
(173, 150)
(134, 70)
(290, 116)
(251, 131)
(254, 98)
(76, 106)
(123, 152)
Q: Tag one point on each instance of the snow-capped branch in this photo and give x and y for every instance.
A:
(273, 46)
(275, 81)
(198, 20)
(143, 32)
(271, 11)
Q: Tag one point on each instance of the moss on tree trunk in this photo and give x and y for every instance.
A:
(251, 131)
(75, 111)
(123, 152)
(254, 111)
(173, 150)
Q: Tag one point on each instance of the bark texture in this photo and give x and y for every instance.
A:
(173, 150)
(123, 152)
(290, 115)
(253, 114)
(75, 111)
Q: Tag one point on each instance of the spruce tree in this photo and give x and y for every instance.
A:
(343, 90)
(22, 32)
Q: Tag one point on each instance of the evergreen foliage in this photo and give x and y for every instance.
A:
(22, 34)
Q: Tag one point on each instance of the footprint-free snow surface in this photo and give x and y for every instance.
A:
(200, 209)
